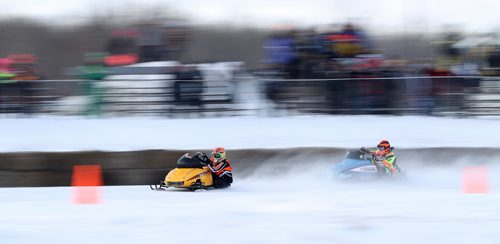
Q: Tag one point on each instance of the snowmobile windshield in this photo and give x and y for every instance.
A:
(355, 154)
(353, 159)
(188, 162)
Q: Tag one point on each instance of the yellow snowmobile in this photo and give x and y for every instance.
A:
(190, 173)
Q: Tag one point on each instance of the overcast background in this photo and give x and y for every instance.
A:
(393, 15)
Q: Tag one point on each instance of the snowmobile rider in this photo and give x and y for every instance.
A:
(387, 156)
(219, 165)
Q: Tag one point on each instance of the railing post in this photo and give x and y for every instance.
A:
(93, 94)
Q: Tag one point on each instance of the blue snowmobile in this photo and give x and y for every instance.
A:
(359, 165)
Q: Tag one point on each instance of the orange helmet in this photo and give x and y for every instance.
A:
(219, 154)
(384, 146)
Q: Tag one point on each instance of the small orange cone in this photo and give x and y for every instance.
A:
(475, 179)
(86, 181)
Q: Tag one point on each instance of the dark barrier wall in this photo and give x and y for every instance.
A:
(149, 166)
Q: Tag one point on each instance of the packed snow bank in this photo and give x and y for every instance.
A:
(124, 134)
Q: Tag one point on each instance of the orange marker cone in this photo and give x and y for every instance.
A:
(86, 181)
(475, 179)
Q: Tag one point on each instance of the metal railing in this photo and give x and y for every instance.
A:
(115, 97)
(427, 95)
(456, 96)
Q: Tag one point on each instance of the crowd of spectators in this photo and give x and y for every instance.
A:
(17, 75)
(306, 54)
(336, 70)
(343, 70)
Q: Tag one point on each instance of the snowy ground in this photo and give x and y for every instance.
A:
(300, 207)
(123, 134)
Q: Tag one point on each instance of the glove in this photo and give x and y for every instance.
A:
(363, 150)
(197, 154)
(202, 157)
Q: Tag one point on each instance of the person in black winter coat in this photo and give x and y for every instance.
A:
(220, 166)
